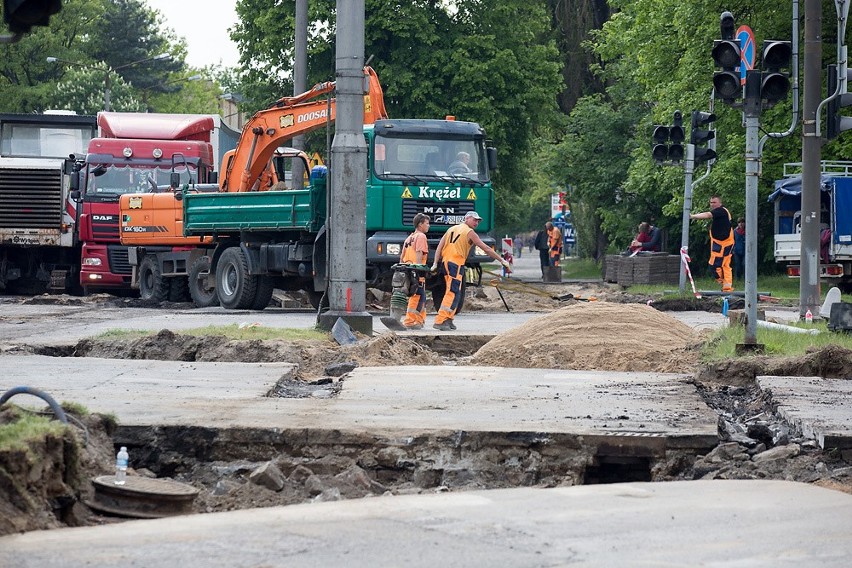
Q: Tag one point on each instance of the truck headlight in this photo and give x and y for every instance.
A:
(394, 249)
(90, 261)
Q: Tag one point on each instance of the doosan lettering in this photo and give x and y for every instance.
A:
(315, 115)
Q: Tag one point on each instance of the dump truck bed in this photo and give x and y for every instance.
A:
(222, 213)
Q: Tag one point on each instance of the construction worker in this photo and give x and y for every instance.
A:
(452, 253)
(554, 242)
(415, 250)
(721, 241)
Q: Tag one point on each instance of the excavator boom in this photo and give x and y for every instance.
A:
(288, 117)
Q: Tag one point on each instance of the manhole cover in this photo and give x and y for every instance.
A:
(142, 498)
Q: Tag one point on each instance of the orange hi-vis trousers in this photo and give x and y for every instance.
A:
(720, 260)
(453, 276)
(415, 314)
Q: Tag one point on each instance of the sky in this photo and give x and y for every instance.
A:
(204, 24)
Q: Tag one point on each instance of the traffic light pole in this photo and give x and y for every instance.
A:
(752, 168)
(688, 170)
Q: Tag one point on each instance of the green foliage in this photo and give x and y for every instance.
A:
(580, 268)
(487, 61)
(75, 91)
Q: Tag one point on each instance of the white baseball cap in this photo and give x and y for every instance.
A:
(472, 215)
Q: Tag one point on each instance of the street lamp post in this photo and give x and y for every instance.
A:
(110, 70)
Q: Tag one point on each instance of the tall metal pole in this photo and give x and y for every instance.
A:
(688, 170)
(347, 222)
(811, 155)
(300, 79)
(106, 90)
(752, 170)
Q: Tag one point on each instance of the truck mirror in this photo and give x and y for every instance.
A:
(99, 170)
(174, 180)
(492, 157)
(75, 194)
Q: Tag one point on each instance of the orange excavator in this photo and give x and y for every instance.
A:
(247, 167)
(152, 224)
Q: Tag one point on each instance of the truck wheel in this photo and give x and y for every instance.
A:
(235, 287)
(152, 285)
(202, 295)
(438, 295)
(264, 293)
(178, 289)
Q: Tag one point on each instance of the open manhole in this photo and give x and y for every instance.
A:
(142, 497)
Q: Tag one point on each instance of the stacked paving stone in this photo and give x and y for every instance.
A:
(645, 268)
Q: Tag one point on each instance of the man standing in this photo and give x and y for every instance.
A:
(543, 249)
(554, 243)
(739, 249)
(721, 241)
(415, 250)
(452, 252)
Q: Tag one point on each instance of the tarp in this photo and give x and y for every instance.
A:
(793, 186)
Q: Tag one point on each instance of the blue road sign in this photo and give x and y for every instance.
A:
(747, 51)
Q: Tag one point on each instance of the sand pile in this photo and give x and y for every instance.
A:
(596, 335)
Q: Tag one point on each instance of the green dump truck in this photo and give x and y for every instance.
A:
(276, 239)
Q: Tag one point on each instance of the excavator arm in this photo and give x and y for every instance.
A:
(288, 117)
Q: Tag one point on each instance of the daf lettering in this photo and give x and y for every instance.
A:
(102, 217)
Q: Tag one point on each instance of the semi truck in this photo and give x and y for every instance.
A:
(260, 240)
(137, 153)
(39, 244)
(835, 222)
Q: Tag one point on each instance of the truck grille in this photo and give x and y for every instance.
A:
(105, 230)
(444, 213)
(30, 199)
(118, 261)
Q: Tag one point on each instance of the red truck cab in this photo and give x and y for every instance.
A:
(135, 153)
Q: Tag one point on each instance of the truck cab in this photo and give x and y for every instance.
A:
(835, 222)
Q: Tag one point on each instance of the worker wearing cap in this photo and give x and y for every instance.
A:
(452, 252)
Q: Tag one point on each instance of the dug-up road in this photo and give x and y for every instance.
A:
(615, 417)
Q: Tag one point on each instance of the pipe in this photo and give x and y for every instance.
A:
(788, 328)
(57, 409)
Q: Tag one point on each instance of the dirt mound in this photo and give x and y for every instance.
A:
(525, 297)
(46, 477)
(596, 335)
(829, 362)
(312, 357)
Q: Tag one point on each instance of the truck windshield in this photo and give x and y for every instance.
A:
(118, 180)
(430, 158)
(42, 141)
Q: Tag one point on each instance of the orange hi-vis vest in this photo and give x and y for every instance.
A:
(416, 242)
(457, 244)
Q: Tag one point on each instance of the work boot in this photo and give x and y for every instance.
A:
(414, 326)
(446, 326)
(452, 325)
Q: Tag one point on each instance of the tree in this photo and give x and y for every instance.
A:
(75, 92)
(489, 61)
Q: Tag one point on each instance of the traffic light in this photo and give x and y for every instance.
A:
(22, 15)
(835, 122)
(775, 83)
(726, 55)
(676, 135)
(699, 136)
(668, 141)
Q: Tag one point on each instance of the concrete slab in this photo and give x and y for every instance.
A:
(695, 523)
(375, 399)
(819, 408)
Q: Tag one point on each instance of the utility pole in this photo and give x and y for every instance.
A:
(751, 114)
(811, 156)
(347, 220)
(300, 79)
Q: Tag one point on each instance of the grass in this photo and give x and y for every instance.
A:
(779, 287)
(26, 427)
(723, 344)
(580, 268)
(233, 331)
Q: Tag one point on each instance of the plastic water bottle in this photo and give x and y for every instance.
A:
(725, 307)
(121, 460)
(809, 317)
